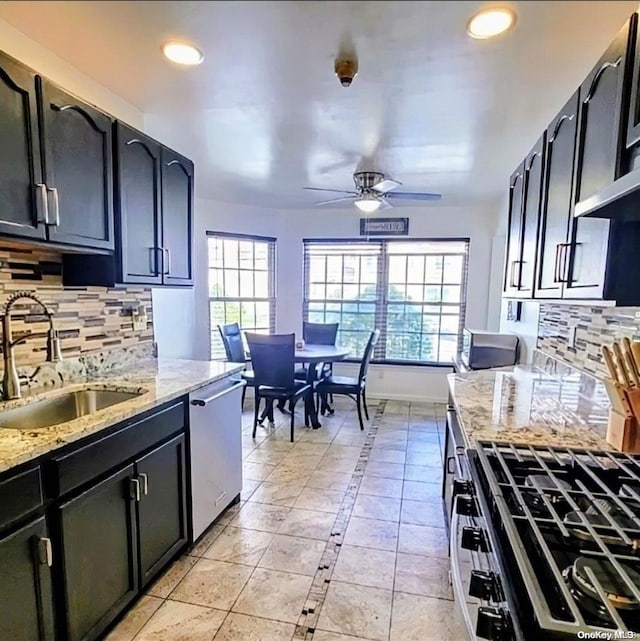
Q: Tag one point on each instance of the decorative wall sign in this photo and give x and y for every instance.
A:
(384, 227)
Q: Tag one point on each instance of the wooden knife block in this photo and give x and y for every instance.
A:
(623, 432)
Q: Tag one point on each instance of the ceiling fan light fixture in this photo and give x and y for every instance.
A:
(368, 204)
(182, 53)
(491, 22)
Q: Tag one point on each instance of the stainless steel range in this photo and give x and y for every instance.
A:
(545, 543)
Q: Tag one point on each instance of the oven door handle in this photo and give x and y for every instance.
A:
(456, 578)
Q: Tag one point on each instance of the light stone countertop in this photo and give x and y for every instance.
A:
(160, 380)
(524, 404)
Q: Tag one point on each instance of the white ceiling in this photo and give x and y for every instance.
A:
(264, 114)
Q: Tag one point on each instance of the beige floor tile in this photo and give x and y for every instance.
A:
(416, 491)
(265, 455)
(182, 622)
(256, 471)
(422, 512)
(239, 627)
(387, 456)
(423, 540)
(305, 462)
(274, 595)
(378, 486)
(341, 466)
(282, 494)
(319, 500)
(427, 457)
(308, 524)
(371, 533)
(365, 566)
(207, 539)
(260, 516)
(283, 475)
(338, 481)
(377, 507)
(385, 470)
(164, 585)
(356, 610)
(135, 619)
(229, 513)
(422, 473)
(239, 545)
(418, 618)
(293, 554)
(248, 488)
(213, 584)
(423, 575)
(322, 635)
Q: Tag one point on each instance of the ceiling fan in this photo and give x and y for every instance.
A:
(372, 192)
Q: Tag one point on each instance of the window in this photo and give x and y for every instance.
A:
(241, 285)
(412, 290)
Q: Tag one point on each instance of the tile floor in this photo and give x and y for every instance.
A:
(338, 537)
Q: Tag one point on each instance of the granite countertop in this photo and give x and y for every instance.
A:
(159, 380)
(524, 404)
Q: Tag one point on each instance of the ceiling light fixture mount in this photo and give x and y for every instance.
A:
(346, 69)
(182, 53)
(490, 22)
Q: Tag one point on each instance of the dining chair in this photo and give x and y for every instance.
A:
(354, 388)
(273, 361)
(234, 350)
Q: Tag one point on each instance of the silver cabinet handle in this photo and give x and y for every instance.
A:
(45, 551)
(201, 402)
(164, 249)
(145, 483)
(134, 485)
(56, 207)
(43, 203)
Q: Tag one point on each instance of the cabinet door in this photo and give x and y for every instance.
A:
(177, 218)
(556, 201)
(532, 192)
(138, 206)
(76, 140)
(99, 545)
(514, 232)
(633, 122)
(26, 610)
(162, 513)
(21, 200)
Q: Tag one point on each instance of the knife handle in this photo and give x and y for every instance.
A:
(622, 366)
(611, 366)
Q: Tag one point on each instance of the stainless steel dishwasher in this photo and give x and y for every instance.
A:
(215, 426)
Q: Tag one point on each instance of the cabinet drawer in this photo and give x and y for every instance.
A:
(19, 495)
(73, 469)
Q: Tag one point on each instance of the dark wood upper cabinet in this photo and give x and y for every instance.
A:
(78, 169)
(531, 196)
(556, 202)
(21, 200)
(633, 119)
(514, 232)
(177, 218)
(26, 598)
(138, 206)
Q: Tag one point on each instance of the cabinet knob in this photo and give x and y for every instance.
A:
(494, 624)
(474, 539)
(485, 585)
(460, 486)
(467, 505)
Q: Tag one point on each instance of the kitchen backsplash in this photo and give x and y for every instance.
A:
(595, 327)
(89, 319)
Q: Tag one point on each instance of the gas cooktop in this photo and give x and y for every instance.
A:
(566, 526)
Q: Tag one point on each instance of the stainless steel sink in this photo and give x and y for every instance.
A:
(61, 408)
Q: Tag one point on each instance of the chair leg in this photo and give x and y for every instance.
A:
(256, 410)
(359, 404)
(364, 403)
(244, 393)
(292, 405)
(308, 399)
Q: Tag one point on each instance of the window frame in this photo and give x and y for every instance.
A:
(381, 301)
(271, 278)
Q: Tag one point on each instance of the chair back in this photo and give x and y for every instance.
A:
(232, 340)
(320, 333)
(368, 353)
(273, 358)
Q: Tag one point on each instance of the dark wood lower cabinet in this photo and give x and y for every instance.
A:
(162, 517)
(26, 600)
(99, 546)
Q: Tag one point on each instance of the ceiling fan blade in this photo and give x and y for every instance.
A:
(385, 204)
(407, 195)
(338, 191)
(386, 184)
(334, 200)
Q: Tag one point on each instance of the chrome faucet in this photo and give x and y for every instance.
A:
(11, 380)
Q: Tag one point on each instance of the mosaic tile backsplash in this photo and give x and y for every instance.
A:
(595, 327)
(89, 319)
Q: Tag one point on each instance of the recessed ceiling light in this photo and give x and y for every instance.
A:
(182, 53)
(488, 23)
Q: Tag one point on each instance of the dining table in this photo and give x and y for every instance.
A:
(312, 356)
